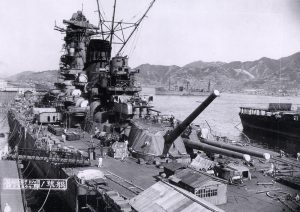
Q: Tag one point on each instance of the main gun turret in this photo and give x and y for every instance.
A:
(171, 136)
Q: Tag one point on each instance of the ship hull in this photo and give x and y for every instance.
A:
(271, 125)
(40, 169)
(181, 93)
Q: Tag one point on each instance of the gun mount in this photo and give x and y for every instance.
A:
(171, 136)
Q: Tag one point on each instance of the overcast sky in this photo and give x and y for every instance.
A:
(176, 32)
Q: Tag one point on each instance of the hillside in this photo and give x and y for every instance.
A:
(43, 79)
(27, 76)
(265, 73)
(269, 75)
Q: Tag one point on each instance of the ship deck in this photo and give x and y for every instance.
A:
(127, 175)
(251, 196)
(117, 172)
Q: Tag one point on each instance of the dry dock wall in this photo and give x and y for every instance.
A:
(9, 169)
(25, 140)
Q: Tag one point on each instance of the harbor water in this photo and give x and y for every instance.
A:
(223, 115)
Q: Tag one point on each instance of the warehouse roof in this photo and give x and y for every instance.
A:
(163, 196)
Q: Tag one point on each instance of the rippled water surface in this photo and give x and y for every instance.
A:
(222, 114)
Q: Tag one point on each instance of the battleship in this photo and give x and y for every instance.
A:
(96, 143)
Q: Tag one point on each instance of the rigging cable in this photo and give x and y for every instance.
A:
(132, 46)
(135, 41)
(26, 167)
(45, 200)
(12, 133)
(244, 134)
(20, 137)
(102, 11)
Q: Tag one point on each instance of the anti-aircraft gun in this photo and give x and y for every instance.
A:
(172, 135)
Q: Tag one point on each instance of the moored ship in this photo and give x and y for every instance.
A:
(116, 152)
(180, 92)
(183, 90)
(278, 118)
(96, 113)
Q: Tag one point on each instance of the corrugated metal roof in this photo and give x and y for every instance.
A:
(200, 163)
(163, 197)
(174, 166)
(193, 178)
(237, 167)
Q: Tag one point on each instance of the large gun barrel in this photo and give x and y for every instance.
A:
(171, 136)
(237, 149)
(214, 149)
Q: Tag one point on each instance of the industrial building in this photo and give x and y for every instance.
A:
(3, 84)
(210, 188)
(171, 168)
(233, 172)
(163, 197)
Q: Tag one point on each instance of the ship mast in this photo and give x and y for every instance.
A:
(112, 24)
(100, 19)
(136, 26)
(119, 27)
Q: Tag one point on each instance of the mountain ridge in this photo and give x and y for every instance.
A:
(265, 73)
(262, 74)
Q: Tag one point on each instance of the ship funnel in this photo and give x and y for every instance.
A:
(171, 136)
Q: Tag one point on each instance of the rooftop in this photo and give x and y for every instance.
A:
(193, 178)
(165, 197)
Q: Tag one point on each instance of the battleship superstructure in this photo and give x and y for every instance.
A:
(95, 111)
(98, 133)
(97, 91)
